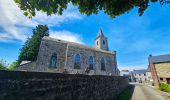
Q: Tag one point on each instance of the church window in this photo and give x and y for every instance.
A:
(103, 64)
(53, 61)
(91, 63)
(103, 42)
(77, 62)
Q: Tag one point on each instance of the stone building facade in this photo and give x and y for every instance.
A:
(61, 56)
(160, 68)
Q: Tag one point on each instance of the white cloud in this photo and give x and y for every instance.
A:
(68, 15)
(15, 24)
(66, 35)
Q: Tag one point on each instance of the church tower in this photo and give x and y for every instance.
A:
(101, 41)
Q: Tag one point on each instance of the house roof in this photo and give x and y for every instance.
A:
(124, 70)
(25, 62)
(160, 58)
(77, 45)
(142, 71)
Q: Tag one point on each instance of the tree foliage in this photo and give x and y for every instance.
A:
(112, 8)
(13, 65)
(3, 65)
(30, 49)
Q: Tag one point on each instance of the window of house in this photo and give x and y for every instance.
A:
(97, 43)
(102, 64)
(91, 63)
(139, 74)
(77, 62)
(161, 79)
(53, 60)
(168, 80)
(144, 74)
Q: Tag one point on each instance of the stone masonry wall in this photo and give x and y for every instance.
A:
(16, 85)
(47, 48)
(163, 70)
(85, 53)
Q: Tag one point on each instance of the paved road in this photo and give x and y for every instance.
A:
(142, 92)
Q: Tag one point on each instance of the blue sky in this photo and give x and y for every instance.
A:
(133, 37)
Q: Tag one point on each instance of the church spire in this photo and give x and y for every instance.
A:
(100, 32)
(101, 41)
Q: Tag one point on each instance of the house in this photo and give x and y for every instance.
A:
(160, 68)
(149, 76)
(139, 75)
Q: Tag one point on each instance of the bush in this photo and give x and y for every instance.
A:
(164, 87)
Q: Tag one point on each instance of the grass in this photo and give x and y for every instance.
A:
(169, 98)
(164, 87)
(126, 94)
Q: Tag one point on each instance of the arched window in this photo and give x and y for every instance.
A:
(77, 62)
(91, 63)
(102, 64)
(103, 42)
(53, 60)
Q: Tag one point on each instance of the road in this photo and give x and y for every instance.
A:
(142, 92)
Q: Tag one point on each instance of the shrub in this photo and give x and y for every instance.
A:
(164, 87)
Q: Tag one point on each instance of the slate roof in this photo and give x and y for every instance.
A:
(77, 45)
(25, 62)
(124, 70)
(160, 58)
(142, 71)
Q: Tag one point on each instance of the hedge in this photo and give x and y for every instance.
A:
(164, 87)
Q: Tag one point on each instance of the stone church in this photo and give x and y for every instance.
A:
(59, 56)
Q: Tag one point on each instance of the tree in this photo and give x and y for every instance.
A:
(30, 49)
(112, 8)
(13, 65)
(3, 65)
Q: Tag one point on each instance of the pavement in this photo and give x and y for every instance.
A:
(144, 92)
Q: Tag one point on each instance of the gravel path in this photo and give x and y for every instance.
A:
(142, 92)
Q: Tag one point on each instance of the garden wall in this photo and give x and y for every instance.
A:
(18, 85)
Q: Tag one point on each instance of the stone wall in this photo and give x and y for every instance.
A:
(15, 85)
(85, 53)
(47, 48)
(163, 70)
